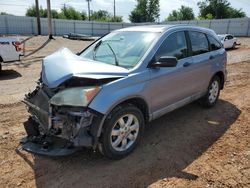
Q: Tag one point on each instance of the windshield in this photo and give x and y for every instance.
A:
(124, 48)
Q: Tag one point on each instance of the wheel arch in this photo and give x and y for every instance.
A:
(221, 75)
(140, 103)
(137, 101)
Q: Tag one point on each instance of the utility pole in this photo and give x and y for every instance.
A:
(38, 18)
(114, 10)
(88, 8)
(49, 20)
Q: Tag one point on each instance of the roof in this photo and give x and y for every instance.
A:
(151, 28)
(158, 28)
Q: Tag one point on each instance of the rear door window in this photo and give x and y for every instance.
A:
(199, 43)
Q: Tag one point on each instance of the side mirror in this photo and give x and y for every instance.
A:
(165, 61)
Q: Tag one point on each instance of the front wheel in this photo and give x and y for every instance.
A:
(212, 94)
(121, 132)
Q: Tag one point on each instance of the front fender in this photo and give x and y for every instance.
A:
(118, 91)
(112, 94)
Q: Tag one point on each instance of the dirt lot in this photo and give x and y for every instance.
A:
(190, 147)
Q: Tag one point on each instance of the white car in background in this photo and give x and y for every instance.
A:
(229, 41)
(10, 49)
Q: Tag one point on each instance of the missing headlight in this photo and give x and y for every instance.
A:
(69, 122)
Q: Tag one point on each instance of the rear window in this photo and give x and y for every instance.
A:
(229, 37)
(199, 42)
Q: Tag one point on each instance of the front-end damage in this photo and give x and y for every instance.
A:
(61, 120)
(56, 127)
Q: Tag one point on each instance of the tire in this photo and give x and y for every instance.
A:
(0, 67)
(234, 45)
(212, 95)
(118, 139)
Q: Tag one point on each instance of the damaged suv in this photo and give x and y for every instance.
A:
(103, 96)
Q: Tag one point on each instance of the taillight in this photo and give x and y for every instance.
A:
(17, 45)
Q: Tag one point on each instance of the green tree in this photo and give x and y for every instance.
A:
(100, 15)
(139, 14)
(145, 11)
(209, 16)
(153, 10)
(54, 14)
(104, 16)
(65, 13)
(173, 16)
(31, 11)
(184, 13)
(116, 19)
(236, 13)
(4, 13)
(219, 9)
(71, 14)
(84, 15)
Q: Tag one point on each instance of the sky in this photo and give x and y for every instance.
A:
(123, 7)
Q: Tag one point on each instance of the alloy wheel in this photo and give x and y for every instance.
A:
(213, 91)
(124, 132)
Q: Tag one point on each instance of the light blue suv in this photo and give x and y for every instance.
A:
(103, 96)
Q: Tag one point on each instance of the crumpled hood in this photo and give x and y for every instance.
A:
(63, 65)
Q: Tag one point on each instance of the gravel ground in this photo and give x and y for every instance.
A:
(210, 149)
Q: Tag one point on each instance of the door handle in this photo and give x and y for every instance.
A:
(211, 57)
(186, 64)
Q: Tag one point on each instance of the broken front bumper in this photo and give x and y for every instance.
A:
(43, 149)
(50, 124)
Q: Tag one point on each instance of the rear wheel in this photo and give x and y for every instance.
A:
(212, 94)
(121, 132)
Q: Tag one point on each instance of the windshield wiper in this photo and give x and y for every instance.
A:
(116, 60)
(97, 46)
